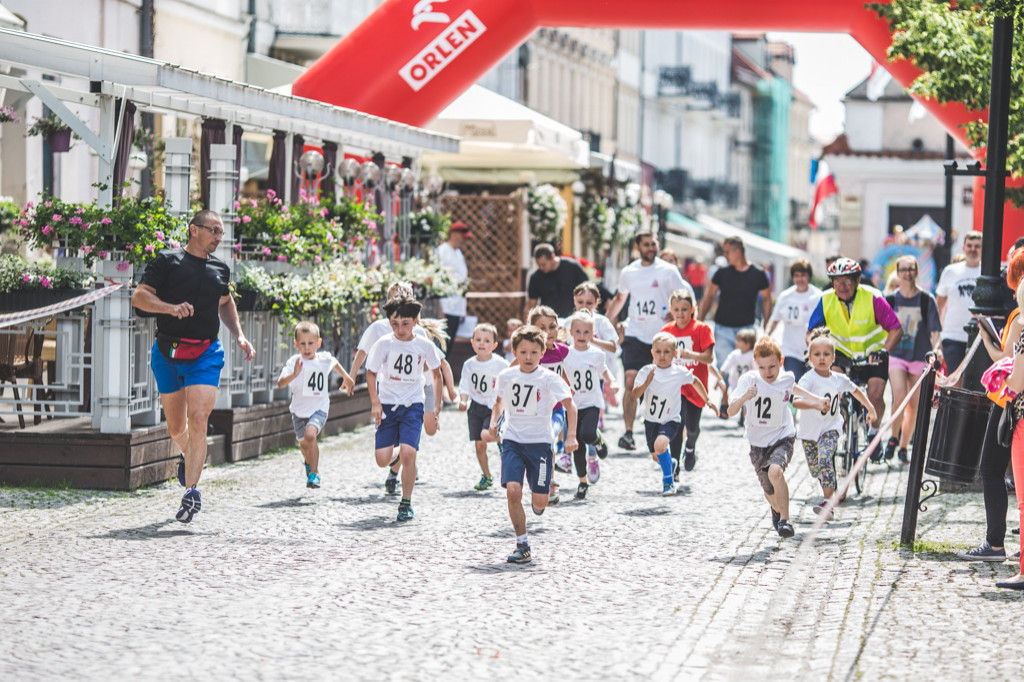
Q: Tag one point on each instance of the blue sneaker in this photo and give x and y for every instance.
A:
(313, 480)
(191, 503)
(181, 470)
(984, 552)
(405, 513)
(668, 489)
(521, 555)
(308, 470)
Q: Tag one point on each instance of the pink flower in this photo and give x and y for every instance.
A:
(29, 205)
(85, 226)
(123, 265)
(57, 217)
(286, 237)
(237, 205)
(271, 195)
(86, 249)
(48, 204)
(246, 219)
(159, 235)
(101, 254)
(175, 244)
(45, 282)
(106, 221)
(47, 229)
(282, 258)
(266, 250)
(237, 247)
(317, 259)
(75, 221)
(149, 248)
(80, 210)
(324, 212)
(26, 277)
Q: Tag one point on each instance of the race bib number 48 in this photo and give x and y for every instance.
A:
(522, 399)
(402, 367)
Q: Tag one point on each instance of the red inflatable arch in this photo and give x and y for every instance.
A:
(410, 58)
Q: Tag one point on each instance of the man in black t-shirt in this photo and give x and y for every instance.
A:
(739, 283)
(554, 281)
(188, 290)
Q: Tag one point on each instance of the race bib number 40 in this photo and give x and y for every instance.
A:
(402, 368)
(522, 399)
(314, 383)
(768, 411)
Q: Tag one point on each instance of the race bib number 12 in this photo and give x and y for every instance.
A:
(768, 411)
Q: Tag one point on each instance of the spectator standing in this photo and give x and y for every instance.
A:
(739, 282)
(697, 276)
(793, 310)
(450, 255)
(553, 282)
(955, 296)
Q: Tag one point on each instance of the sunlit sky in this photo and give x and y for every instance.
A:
(828, 65)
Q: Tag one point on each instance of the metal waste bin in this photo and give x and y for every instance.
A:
(954, 453)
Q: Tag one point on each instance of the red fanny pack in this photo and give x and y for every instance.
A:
(174, 348)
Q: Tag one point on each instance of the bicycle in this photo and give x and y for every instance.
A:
(855, 429)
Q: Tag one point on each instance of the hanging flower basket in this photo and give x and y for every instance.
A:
(59, 141)
(16, 301)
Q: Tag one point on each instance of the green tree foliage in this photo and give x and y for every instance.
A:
(952, 44)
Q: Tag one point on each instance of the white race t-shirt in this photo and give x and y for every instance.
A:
(479, 379)
(649, 288)
(957, 284)
(400, 366)
(737, 363)
(793, 310)
(768, 419)
(663, 398)
(454, 260)
(812, 422)
(378, 329)
(529, 401)
(604, 330)
(310, 391)
(583, 369)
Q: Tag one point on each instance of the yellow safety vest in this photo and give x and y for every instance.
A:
(855, 332)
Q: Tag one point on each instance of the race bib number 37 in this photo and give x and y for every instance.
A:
(522, 399)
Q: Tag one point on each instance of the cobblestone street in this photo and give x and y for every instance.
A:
(275, 581)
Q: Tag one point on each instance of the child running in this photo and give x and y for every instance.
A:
(738, 362)
(585, 366)
(661, 384)
(546, 319)
(819, 430)
(307, 375)
(586, 296)
(477, 394)
(397, 360)
(769, 425)
(527, 394)
(695, 350)
(511, 326)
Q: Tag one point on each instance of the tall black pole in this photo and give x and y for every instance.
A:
(988, 293)
(148, 120)
(942, 254)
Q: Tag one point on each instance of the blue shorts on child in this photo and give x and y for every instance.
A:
(400, 425)
(534, 460)
(654, 429)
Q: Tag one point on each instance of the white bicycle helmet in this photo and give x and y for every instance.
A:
(843, 267)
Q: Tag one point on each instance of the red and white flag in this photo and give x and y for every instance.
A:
(825, 187)
(877, 80)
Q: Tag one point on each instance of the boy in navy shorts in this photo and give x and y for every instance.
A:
(397, 361)
(477, 395)
(527, 394)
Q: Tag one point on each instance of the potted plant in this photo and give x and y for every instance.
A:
(547, 210)
(254, 289)
(8, 115)
(56, 132)
(428, 227)
(26, 286)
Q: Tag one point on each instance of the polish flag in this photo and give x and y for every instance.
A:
(825, 188)
(877, 80)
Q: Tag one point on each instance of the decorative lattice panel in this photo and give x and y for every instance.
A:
(494, 257)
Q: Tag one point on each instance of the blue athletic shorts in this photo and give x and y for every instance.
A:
(532, 460)
(317, 419)
(654, 429)
(171, 377)
(400, 425)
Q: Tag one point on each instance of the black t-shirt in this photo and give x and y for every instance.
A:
(737, 301)
(179, 277)
(555, 288)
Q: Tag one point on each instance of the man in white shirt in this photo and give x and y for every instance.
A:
(648, 282)
(955, 296)
(450, 255)
(793, 310)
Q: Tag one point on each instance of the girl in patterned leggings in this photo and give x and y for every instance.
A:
(817, 430)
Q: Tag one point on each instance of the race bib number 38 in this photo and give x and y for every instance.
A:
(522, 399)
(402, 367)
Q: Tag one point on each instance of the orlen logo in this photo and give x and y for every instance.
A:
(442, 50)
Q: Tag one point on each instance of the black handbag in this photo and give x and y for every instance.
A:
(1007, 424)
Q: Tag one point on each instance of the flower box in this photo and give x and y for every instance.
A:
(16, 301)
(60, 141)
(251, 300)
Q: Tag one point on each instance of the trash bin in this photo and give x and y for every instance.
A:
(954, 453)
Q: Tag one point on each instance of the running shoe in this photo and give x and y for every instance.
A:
(521, 555)
(904, 456)
(775, 518)
(819, 507)
(181, 469)
(536, 510)
(689, 458)
(313, 481)
(983, 552)
(626, 442)
(191, 503)
(308, 470)
(563, 462)
(391, 485)
(785, 529)
(553, 497)
(405, 512)
(485, 483)
(581, 491)
(593, 469)
(601, 447)
(668, 490)
(890, 448)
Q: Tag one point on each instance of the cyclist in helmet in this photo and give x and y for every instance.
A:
(863, 324)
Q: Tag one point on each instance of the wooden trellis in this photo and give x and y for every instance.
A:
(494, 257)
